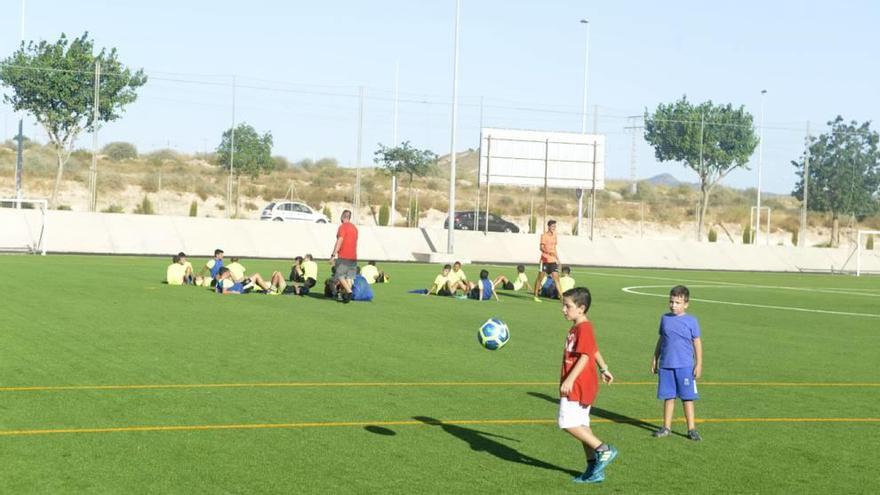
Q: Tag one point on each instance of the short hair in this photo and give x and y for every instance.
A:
(447, 266)
(308, 257)
(566, 269)
(346, 214)
(357, 268)
(457, 263)
(218, 251)
(181, 255)
(550, 223)
(371, 263)
(580, 296)
(175, 258)
(233, 259)
(680, 290)
(298, 258)
(484, 273)
(223, 271)
(521, 268)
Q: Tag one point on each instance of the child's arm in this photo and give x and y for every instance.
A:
(495, 294)
(698, 357)
(607, 377)
(656, 358)
(576, 370)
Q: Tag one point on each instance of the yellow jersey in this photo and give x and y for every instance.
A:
(175, 273)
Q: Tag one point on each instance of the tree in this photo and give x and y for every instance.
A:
(120, 150)
(55, 82)
(844, 173)
(710, 139)
(405, 159)
(253, 153)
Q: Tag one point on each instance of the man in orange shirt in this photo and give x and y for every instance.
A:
(549, 260)
(345, 256)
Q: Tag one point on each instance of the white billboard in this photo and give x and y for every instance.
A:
(534, 158)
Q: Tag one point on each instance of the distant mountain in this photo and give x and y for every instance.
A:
(664, 180)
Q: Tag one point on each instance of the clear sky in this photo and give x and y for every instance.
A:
(298, 66)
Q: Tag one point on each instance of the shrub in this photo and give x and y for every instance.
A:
(326, 212)
(574, 227)
(120, 150)
(384, 214)
(145, 208)
(194, 209)
(795, 234)
(533, 224)
(64, 207)
(713, 235)
(113, 208)
(249, 206)
(869, 244)
(747, 234)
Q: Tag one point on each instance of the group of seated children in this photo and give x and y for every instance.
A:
(452, 281)
(232, 278)
(566, 282)
(366, 276)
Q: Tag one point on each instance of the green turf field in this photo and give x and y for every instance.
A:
(112, 382)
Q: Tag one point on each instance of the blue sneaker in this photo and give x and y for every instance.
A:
(603, 459)
(594, 478)
(591, 466)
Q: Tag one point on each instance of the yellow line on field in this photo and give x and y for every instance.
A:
(337, 424)
(162, 386)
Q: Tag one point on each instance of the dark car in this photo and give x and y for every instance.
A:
(464, 220)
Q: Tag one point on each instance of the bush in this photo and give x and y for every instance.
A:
(327, 213)
(713, 235)
(249, 206)
(120, 150)
(384, 214)
(795, 235)
(574, 227)
(113, 208)
(145, 208)
(869, 244)
(194, 209)
(747, 234)
(64, 207)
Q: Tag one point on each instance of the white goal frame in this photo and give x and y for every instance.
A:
(859, 248)
(36, 237)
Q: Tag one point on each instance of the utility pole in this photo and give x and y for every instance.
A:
(394, 142)
(357, 176)
(634, 127)
(93, 173)
(760, 165)
(802, 241)
(450, 239)
(19, 157)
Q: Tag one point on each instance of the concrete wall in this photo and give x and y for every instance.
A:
(107, 233)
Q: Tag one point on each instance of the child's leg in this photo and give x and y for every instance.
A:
(668, 409)
(539, 281)
(258, 280)
(587, 438)
(500, 279)
(688, 406)
(557, 284)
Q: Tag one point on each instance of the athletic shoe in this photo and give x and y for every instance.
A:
(694, 435)
(346, 298)
(603, 459)
(597, 477)
(662, 432)
(537, 299)
(591, 466)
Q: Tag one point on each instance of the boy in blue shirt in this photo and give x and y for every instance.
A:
(678, 362)
(483, 289)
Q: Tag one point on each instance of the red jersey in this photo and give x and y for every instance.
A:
(580, 340)
(349, 234)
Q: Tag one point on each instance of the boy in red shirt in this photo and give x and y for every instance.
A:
(580, 384)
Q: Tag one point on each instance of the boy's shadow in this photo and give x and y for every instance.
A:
(609, 415)
(482, 441)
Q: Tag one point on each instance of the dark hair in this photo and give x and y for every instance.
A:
(457, 263)
(580, 296)
(218, 251)
(371, 263)
(298, 258)
(521, 268)
(566, 269)
(550, 222)
(234, 259)
(680, 290)
(223, 270)
(308, 256)
(175, 258)
(181, 255)
(484, 274)
(447, 266)
(346, 214)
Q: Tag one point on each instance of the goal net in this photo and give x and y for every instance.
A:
(867, 253)
(24, 225)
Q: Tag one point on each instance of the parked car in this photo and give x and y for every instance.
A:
(464, 220)
(283, 211)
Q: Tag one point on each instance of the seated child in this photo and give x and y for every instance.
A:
(458, 279)
(483, 289)
(176, 273)
(373, 274)
(441, 286)
(227, 285)
(566, 282)
(310, 272)
(237, 269)
(296, 270)
(213, 266)
(360, 289)
(188, 278)
(522, 280)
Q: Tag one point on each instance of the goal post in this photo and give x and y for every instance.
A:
(864, 239)
(24, 225)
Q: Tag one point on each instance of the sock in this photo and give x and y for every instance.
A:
(602, 448)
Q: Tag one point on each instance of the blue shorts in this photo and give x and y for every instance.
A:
(676, 383)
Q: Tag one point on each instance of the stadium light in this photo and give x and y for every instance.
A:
(586, 78)
(760, 164)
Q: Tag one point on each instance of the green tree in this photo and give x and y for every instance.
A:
(710, 139)
(844, 173)
(55, 82)
(405, 160)
(384, 214)
(253, 153)
(120, 150)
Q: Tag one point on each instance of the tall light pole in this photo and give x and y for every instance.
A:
(19, 158)
(450, 244)
(760, 164)
(586, 77)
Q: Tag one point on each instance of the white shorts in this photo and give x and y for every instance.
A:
(573, 414)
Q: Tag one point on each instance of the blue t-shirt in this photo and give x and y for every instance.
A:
(360, 289)
(487, 288)
(677, 334)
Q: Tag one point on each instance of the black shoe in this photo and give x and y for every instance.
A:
(346, 298)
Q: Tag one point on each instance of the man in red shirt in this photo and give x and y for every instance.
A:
(549, 260)
(345, 256)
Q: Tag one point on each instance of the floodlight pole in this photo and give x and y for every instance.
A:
(450, 243)
(231, 155)
(19, 157)
(360, 141)
(394, 142)
(586, 77)
(760, 165)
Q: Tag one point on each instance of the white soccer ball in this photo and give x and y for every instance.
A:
(493, 334)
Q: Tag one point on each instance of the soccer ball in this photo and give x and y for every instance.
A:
(493, 334)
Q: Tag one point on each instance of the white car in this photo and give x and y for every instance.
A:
(281, 211)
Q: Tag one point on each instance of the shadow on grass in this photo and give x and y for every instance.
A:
(482, 441)
(609, 415)
(379, 430)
